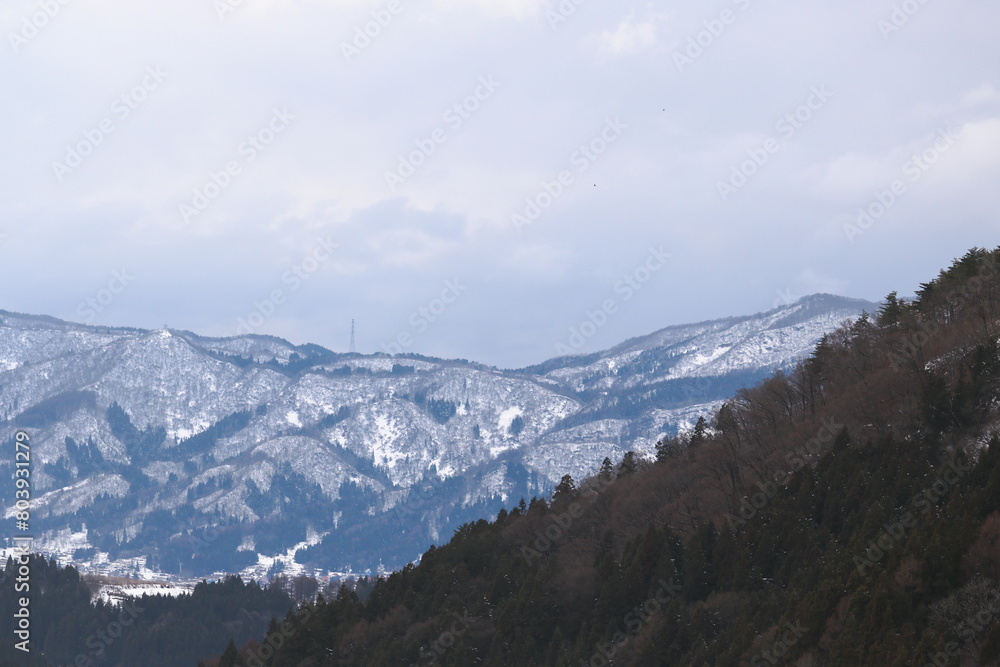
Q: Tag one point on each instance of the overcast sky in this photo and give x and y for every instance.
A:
(508, 166)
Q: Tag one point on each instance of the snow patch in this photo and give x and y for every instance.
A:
(247, 544)
(702, 359)
(507, 417)
(286, 560)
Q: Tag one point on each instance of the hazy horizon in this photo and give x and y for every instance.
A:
(473, 178)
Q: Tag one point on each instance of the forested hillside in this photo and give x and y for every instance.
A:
(68, 625)
(844, 513)
(164, 453)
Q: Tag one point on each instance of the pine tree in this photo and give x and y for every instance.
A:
(628, 465)
(566, 489)
(890, 313)
(230, 657)
(698, 435)
(699, 572)
(666, 449)
(556, 648)
(607, 469)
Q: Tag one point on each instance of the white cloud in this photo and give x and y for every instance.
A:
(516, 9)
(973, 152)
(986, 94)
(628, 38)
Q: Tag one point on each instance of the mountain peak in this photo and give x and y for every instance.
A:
(167, 432)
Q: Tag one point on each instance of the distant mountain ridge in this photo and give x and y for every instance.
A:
(167, 451)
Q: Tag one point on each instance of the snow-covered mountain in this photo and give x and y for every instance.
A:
(166, 451)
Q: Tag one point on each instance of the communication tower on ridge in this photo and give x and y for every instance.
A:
(353, 348)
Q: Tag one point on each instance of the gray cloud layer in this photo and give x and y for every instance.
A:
(217, 151)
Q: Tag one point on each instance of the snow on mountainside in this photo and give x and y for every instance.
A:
(191, 455)
(768, 340)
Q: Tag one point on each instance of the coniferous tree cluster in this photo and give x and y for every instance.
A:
(846, 512)
(70, 626)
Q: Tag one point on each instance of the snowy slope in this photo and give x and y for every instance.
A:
(310, 458)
